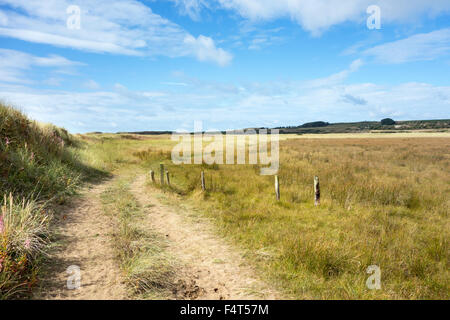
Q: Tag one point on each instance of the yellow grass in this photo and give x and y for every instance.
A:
(385, 202)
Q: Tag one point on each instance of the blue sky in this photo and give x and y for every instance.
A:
(161, 65)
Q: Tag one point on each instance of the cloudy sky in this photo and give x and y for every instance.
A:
(134, 65)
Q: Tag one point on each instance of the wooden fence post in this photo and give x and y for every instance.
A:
(203, 181)
(316, 191)
(277, 188)
(167, 178)
(152, 175)
(161, 167)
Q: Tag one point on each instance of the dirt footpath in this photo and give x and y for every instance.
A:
(213, 269)
(83, 239)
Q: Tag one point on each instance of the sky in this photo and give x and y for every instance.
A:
(129, 65)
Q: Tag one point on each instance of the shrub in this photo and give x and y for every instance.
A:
(316, 124)
(387, 122)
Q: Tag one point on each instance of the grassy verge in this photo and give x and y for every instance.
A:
(141, 253)
(39, 166)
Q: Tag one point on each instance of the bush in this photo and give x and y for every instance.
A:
(316, 124)
(387, 122)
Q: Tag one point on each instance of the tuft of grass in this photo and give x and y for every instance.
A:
(148, 269)
(24, 227)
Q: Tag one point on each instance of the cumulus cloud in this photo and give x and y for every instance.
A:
(205, 50)
(125, 27)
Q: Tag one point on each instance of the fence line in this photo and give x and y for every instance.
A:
(203, 183)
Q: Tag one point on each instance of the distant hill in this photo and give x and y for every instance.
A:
(366, 126)
(147, 133)
(322, 127)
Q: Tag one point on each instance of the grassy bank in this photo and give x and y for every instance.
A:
(39, 167)
(384, 202)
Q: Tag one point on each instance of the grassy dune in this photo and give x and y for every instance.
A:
(384, 202)
(39, 167)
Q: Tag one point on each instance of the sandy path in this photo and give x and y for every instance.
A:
(213, 269)
(83, 239)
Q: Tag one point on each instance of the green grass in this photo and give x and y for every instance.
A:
(38, 160)
(384, 202)
(39, 167)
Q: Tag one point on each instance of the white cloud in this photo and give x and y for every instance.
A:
(3, 19)
(205, 50)
(126, 27)
(424, 46)
(317, 16)
(335, 78)
(192, 8)
(14, 64)
(54, 60)
(224, 106)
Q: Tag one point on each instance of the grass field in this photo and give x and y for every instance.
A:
(385, 202)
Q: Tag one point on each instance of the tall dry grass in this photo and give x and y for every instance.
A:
(385, 202)
(23, 237)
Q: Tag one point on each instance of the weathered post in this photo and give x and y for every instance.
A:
(152, 175)
(277, 188)
(167, 178)
(316, 191)
(161, 167)
(203, 181)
